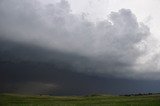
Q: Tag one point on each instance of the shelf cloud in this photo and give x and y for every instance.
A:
(117, 46)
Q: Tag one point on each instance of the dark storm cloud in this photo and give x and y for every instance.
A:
(31, 69)
(110, 44)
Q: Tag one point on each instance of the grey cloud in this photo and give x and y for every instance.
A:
(110, 45)
(32, 87)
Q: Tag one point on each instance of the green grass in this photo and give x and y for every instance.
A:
(104, 100)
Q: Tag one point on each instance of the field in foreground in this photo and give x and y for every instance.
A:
(24, 100)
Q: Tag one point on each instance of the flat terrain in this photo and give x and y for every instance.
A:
(103, 100)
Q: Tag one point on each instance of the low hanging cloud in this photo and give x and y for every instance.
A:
(112, 45)
(32, 87)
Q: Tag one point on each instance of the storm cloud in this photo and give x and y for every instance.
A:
(110, 47)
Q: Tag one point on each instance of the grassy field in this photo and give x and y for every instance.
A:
(103, 100)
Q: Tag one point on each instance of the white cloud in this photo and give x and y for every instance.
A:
(142, 8)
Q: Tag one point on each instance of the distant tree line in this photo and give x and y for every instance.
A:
(140, 94)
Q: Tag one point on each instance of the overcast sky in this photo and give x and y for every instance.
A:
(116, 38)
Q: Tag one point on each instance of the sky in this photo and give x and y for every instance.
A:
(67, 47)
(146, 11)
